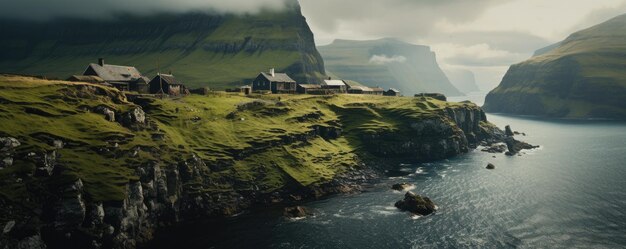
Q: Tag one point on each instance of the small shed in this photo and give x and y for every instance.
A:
(167, 84)
(392, 92)
(337, 86)
(308, 88)
(246, 89)
(274, 82)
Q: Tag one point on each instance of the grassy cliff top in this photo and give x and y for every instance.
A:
(256, 137)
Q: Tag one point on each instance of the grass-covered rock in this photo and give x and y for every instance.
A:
(121, 165)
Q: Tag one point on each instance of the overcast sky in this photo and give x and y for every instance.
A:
(484, 36)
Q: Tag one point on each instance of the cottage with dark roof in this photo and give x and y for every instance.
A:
(124, 78)
(274, 82)
(167, 84)
(392, 92)
(308, 88)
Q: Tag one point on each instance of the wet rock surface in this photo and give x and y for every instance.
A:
(297, 212)
(401, 186)
(416, 204)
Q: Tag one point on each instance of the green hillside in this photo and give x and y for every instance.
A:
(407, 67)
(582, 77)
(212, 50)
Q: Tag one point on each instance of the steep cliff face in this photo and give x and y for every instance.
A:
(387, 63)
(202, 49)
(84, 166)
(581, 77)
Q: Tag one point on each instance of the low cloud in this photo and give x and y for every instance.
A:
(478, 55)
(383, 59)
(95, 9)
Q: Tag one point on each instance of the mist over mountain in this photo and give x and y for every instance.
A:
(387, 63)
(462, 79)
(581, 77)
(202, 49)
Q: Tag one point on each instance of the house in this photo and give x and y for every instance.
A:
(124, 78)
(360, 90)
(392, 92)
(308, 88)
(336, 86)
(377, 91)
(274, 82)
(246, 90)
(167, 84)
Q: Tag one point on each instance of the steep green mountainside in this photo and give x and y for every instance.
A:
(387, 63)
(92, 161)
(584, 77)
(215, 50)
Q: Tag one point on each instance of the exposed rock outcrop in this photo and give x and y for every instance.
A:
(297, 212)
(416, 204)
(401, 186)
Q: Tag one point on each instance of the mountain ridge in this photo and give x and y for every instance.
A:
(202, 49)
(389, 63)
(581, 78)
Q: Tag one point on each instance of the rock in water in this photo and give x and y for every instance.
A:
(401, 186)
(416, 204)
(495, 148)
(490, 166)
(508, 131)
(297, 212)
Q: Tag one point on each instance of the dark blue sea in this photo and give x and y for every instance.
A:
(569, 193)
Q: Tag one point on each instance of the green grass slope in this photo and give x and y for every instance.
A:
(416, 71)
(214, 50)
(261, 142)
(583, 77)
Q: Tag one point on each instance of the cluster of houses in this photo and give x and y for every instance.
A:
(128, 78)
(282, 83)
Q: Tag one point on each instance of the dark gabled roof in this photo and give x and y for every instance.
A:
(278, 77)
(115, 72)
(169, 79)
(310, 86)
(394, 90)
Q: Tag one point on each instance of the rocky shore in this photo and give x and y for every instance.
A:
(71, 192)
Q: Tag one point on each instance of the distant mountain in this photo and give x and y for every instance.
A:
(464, 80)
(387, 63)
(546, 49)
(583, 77)
(216, 50)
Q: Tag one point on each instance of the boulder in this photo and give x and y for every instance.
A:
(297, 212)
(416, 204)
(107, 112)
(490, 166)
(8, 144)
(495, 148)
(508, 131)
(135, 118)
(401, 186)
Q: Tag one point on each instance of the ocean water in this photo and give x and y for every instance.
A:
(569, 193)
